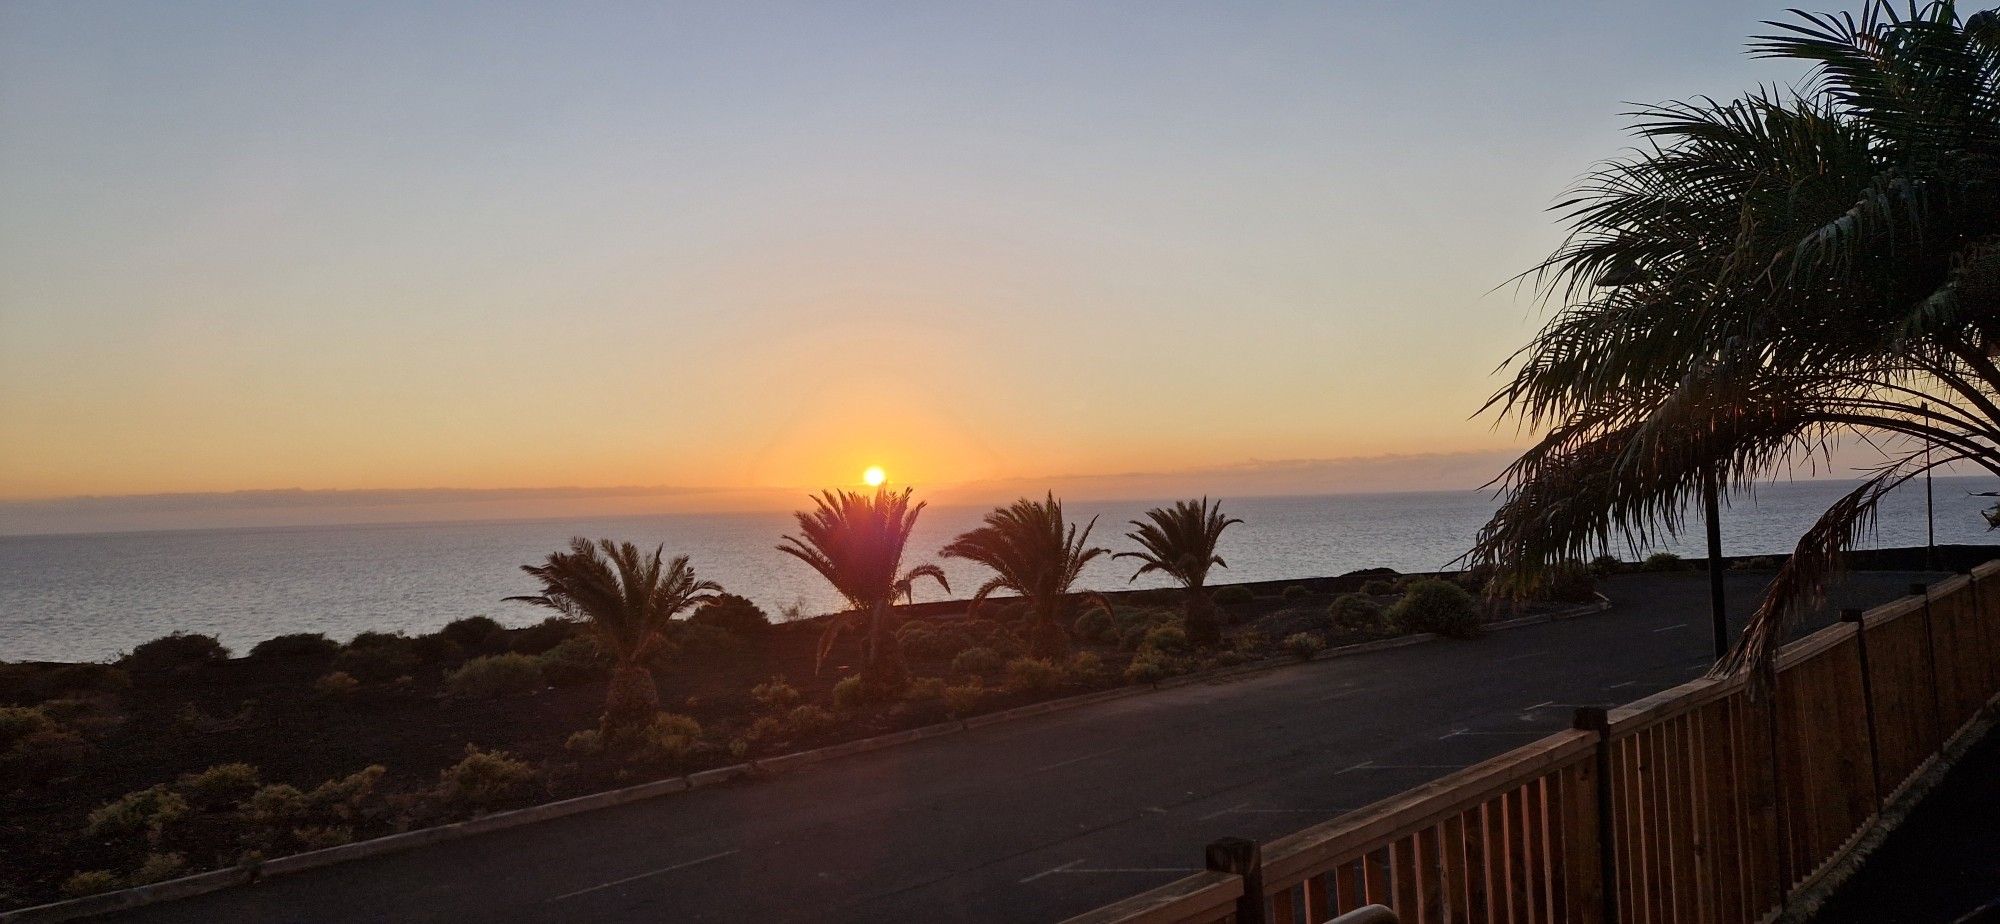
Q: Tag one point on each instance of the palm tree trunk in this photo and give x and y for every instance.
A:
(1202, 629)
(883, 662)
(1046, 638)
(632, 698)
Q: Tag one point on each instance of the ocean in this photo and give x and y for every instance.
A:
(90, 597)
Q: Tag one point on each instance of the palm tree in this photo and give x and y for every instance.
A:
(856, 542)
(1035, 554)
(1180, 542)
(1764, 278)
(626, 599)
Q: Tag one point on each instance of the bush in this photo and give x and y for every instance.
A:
(932, 643)
(320, 837)
(1664, 561)
(338, 683)
(1379, 587)
(669, 739)
(475, 633)
(435, 648)
(278, 805)
(1230, 658)
(977, 661)
(695, 640)
(1303, 645)
(90, 882)
(1437, 606)
(1167, 639)
(150, 810)
(18, 722)
(1294, 593)
(1094, 625)
(159, 867)
(852, 693)
(588, 741)
(733, 614)
(496, 675)
(1084, 668)
(219, 785)
(1232, 595)
(776, 694)
(1147, 670)
(964, 699)
(1032, 675)
(1567, 582)
(179, 651)
(543, 635)
(484, 779)
(344, 798)
(809, 720)
(1355, 612)
(376, 657)
(924, 690)
(1132, 637)
(1006, 642)
(296, 646)
(1606, 564)
(577, 660)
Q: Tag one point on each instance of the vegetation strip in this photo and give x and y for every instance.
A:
(202, 883)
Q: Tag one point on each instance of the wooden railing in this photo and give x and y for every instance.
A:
(1711, 802)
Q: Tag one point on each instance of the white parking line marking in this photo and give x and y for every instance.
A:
(1539, 705)
(1076, 760)
(664, 869)
(1628, 683)
(1469, 732)
(1371, 765)
(1052, 871)
(1671, 628)
(1234, 808)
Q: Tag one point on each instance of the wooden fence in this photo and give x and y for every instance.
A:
(1711, 802)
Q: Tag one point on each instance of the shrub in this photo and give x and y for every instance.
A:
(475, 633)
(484, 779)
(577, 660)
(1437, 606)
(18, 722)
(1232, 595)
(345, 797)
(1032, 675)
(276, 806)
(669, 739)
(1133, 637)
(1303, 645)
(1378, 587)
(338, 683)
(977, 661)
(1606, 564)
(1147, 670)
(1168, 639)
(179, 651)
(809, 720)
(1759, 563)
(320, 837)
(588, 741)
(1248, 641)
(219, 785)
(964, 699)
(1094, 625)
(1084, 668)
(1006, 642)
(151, 810)
(695, 640)
(733, 614)
(159, 867)
(1355, 612)
(90, 882)
(932, 643)
(435, 648)
(776, 694)
(1294, 593)
(377, 656)
(851, 693)
(1663, 561)
(1567, 582)
(1230, 658)
(296, 646)
(543, 635)
(496, 675)
(924, 689)
(44, 755)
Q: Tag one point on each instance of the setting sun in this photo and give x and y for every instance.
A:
(874, 476)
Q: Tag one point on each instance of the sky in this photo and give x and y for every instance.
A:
(748, 247)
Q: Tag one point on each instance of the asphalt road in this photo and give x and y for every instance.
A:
(1042, 818)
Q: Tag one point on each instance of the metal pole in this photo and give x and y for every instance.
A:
(1930, 512)
(1715, 602)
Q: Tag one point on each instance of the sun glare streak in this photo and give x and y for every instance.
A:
(874, 476)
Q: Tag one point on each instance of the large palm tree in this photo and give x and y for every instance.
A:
(1036, 554)
(1180, 543)
(856, 540)
(1764, 279)
(626, 599)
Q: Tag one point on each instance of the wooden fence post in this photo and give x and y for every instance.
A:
(1867, 700)
(1596, 719)
(1244, 858)
(1930, 660)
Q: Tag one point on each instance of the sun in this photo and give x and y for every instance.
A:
(874, 476)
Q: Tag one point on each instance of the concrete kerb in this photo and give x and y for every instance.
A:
(215, 880)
